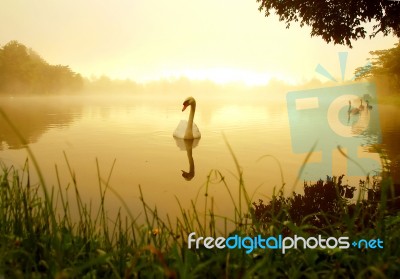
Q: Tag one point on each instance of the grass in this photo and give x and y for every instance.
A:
(40, 237)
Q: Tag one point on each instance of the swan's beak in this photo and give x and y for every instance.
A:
(184, 107)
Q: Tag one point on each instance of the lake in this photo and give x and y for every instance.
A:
(131, 138)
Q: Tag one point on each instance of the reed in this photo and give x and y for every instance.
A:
(40, 237)
(89, 245)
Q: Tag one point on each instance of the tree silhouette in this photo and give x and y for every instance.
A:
(22, 70)
(340, 20)
(386, 63)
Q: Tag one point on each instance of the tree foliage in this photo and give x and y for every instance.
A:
(23, 71)
(385, 63)
(339, 21)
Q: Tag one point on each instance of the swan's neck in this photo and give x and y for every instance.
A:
(189, 128)
(191, 161)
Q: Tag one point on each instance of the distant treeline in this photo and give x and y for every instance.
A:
(23, 71)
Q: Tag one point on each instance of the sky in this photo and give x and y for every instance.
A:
(144, 40)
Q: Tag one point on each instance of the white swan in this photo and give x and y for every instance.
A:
(187, 129)
(352, 110)
(361, 107)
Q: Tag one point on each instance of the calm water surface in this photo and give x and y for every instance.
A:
(136, 134)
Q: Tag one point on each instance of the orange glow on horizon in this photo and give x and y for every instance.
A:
(152, 40)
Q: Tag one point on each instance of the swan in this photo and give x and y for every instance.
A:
(368, 105)
(361, 107)
(188, 129)
(353, 110)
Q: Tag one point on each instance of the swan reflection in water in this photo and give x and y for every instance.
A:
(188, 145)
(187, 136)
(358, 118)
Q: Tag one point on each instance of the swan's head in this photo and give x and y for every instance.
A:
(188, 102)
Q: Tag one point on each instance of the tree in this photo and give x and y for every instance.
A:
(386, 64)
(14, 66)
(23, 71)
(338, 20)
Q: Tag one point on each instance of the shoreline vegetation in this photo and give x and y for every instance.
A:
(41, 239)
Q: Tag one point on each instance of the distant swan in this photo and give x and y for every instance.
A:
(368, 105)
(361, 107)
(187, 129)
(353, 110)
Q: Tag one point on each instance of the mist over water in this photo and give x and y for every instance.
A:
(135, 133)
